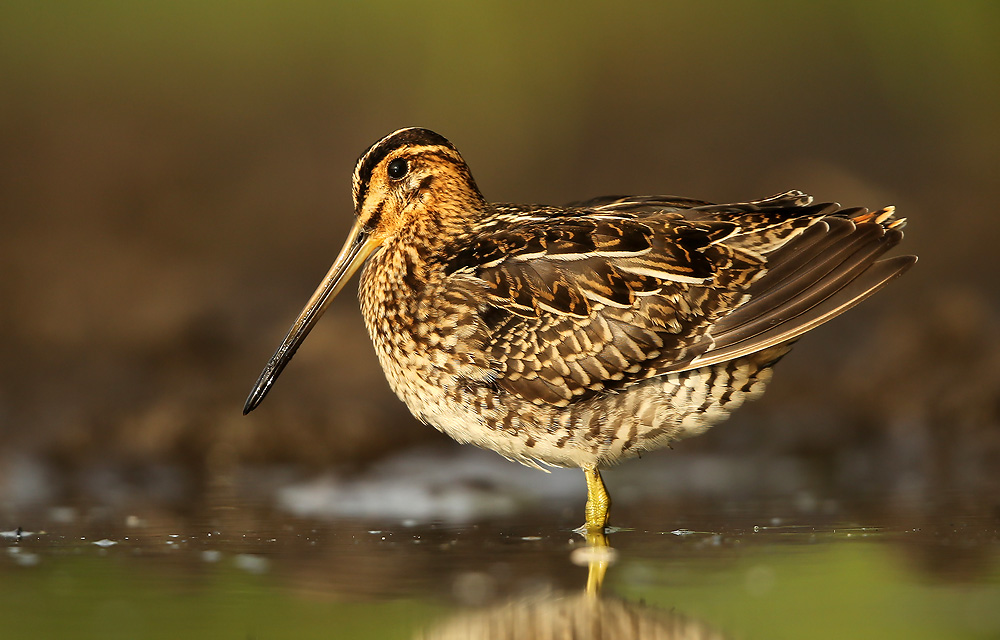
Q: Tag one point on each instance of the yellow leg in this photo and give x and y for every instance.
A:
(598, 502)
(598, 554)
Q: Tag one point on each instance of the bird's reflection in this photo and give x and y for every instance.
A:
(589, 614)
(597, 555)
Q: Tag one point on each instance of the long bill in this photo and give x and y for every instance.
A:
(357, 248)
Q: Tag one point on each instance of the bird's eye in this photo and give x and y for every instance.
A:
(397, 168)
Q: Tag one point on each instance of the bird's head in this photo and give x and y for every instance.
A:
(411, 179)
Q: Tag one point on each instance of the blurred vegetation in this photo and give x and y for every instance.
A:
(174, 180)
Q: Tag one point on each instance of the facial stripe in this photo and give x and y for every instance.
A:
(376, 217)
(414, 137)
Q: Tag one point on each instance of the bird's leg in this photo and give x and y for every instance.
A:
(598, 502)
(599, 552)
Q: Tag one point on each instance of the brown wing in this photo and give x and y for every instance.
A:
(591, 298)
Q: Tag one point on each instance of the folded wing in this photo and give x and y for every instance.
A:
(621, 289)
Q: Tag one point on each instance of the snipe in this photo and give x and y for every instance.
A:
(583, 335)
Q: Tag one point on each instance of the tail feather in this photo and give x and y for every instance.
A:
(828, 268)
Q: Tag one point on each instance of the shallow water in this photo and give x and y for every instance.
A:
(748, 569)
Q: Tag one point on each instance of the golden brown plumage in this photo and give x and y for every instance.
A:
(585, 334)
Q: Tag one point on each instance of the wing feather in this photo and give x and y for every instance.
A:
(588, 299)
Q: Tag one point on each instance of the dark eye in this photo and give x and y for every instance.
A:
(398, 168)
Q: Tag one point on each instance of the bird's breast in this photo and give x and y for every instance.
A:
(425, 328)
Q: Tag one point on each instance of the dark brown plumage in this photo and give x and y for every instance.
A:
(585, 334)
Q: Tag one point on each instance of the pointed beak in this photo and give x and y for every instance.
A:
(357, 248)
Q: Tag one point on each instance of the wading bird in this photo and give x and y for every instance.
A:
(582, 335)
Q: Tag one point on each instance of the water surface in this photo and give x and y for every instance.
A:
(726, 569)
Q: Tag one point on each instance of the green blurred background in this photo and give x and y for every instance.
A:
(174, 181)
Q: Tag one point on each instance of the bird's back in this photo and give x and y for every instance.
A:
(610, 292)
(615, 325)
